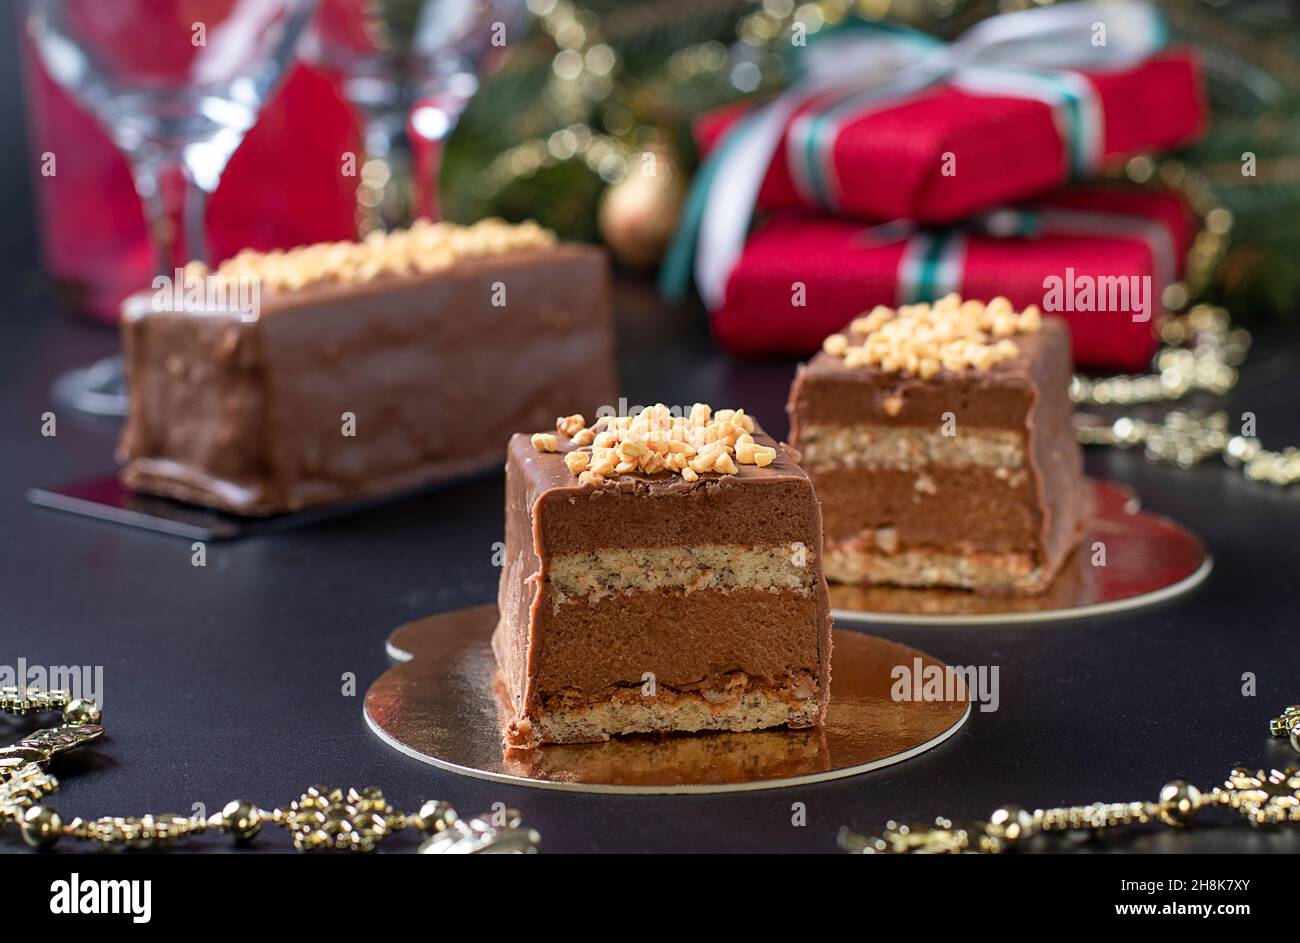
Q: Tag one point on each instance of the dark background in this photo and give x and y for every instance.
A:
(224, 682)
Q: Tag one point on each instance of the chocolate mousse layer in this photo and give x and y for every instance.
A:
(362, 368)
(940, 442)
(646, 602)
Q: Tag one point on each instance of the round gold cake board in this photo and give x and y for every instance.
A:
(1148, 559)
(443, 705)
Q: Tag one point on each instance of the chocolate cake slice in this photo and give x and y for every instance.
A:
(939, 440)
(335, 371)
(662, 573)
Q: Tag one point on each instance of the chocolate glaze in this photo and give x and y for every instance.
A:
(686, 640)
(826, 391)
(246, 414)
(1029, 393)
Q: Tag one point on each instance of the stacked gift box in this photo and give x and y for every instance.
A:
(968, 168)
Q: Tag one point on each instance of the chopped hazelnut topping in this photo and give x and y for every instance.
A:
(656, 441)
(922, 339)
(424, 247)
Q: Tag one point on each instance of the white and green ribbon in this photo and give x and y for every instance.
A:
(852, 70)
(933, 262)
(931, 266)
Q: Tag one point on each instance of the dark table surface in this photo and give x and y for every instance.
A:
(225, 681)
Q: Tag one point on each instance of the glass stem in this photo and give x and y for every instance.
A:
(384, 193)
(196, 222)
(174, 209)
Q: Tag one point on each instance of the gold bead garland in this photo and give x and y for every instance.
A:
(358, 820)
(1262, 798)
(1201, 353)
(322, 818)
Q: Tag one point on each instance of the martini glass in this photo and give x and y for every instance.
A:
(409, 66)
(175, 85)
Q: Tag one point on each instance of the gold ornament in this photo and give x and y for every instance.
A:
(638, 215)
(1261, 798)
(321, 818)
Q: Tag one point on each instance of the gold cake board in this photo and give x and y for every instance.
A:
(440, 705)
(1148, 559)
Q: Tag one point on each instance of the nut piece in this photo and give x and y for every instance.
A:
(725, 464)
(1030, 320)
(835, 345)
(577, 462)
(570, 425)
(546, 442)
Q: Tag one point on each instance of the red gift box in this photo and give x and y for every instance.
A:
(802, 276)
(889, 162)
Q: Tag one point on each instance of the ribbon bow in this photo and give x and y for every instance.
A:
(1027, 54)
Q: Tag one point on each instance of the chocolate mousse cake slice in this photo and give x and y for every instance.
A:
(940, 442)
(662, 573)
(335, 371)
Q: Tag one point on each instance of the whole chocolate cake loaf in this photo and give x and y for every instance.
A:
(662, 573)
(335, 371)
(940, 442)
